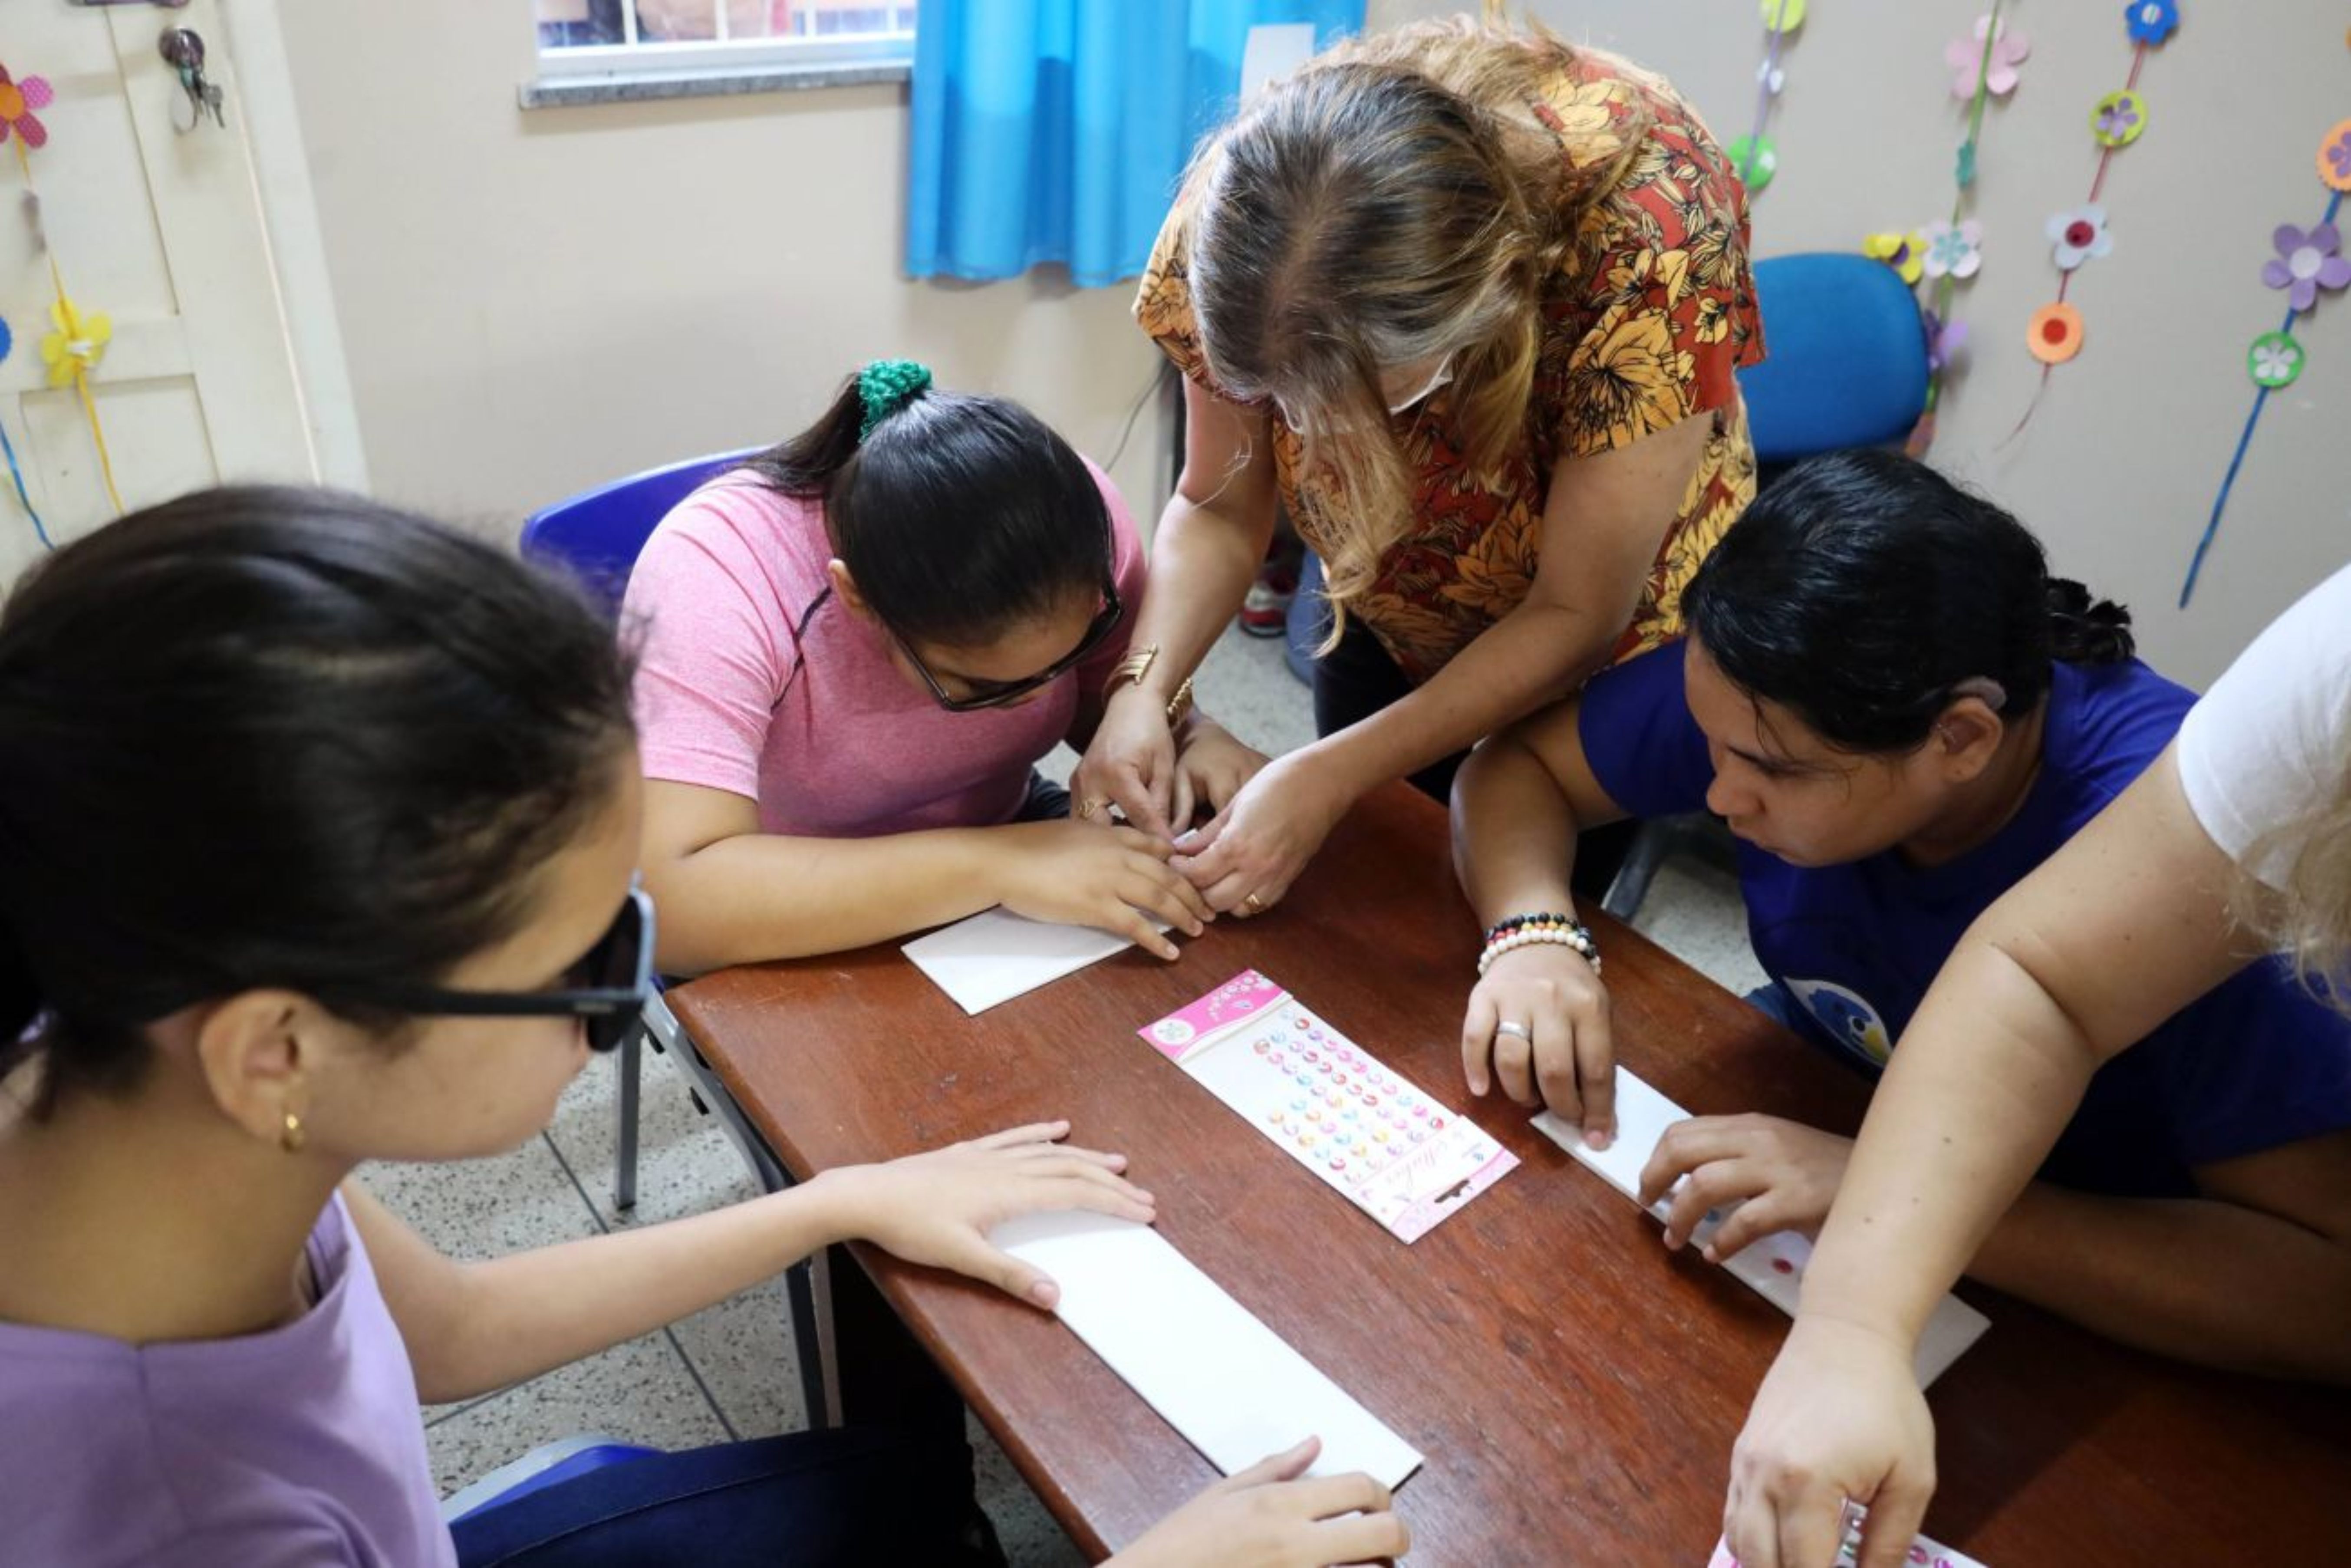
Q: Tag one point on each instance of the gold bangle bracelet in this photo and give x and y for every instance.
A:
(1180, 703)
(1133, 668)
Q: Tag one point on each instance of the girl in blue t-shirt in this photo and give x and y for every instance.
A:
(1900, 715)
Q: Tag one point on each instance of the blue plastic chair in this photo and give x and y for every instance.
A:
(548, 1464)
(598, 535)
(1847, 364)
(1846, 368)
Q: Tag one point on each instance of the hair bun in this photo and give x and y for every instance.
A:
(2086, 630)
(885, 386)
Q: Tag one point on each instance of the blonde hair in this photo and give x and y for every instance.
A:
(2309, 913)
(1382, 206)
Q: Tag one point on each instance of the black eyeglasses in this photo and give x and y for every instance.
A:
(608, 988)
(1104, 623)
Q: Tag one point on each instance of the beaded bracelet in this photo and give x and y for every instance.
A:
(1532, 930)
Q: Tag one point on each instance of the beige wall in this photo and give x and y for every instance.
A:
(533, 302)
(2118, 468)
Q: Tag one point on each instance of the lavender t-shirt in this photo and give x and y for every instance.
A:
(292, 1448)
(752, 680)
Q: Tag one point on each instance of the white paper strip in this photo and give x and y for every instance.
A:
(1773, 1267)
(1232, 1387)
(997, 956)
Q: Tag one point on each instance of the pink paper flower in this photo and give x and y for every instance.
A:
(1967, 57)
(2306, 263)
(18, 101)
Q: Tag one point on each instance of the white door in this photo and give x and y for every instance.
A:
(161, 230)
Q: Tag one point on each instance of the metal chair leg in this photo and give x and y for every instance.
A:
(632, 1066)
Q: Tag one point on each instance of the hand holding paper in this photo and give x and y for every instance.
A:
(1266, 1517)
(937, 1209)
(1771, 1265)
(1780, 1175)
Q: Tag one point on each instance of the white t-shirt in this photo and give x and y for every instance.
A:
(2271, 743)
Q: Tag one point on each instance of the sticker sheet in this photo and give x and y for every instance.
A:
(1400, 1157)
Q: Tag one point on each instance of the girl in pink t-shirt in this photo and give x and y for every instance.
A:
(854, 649)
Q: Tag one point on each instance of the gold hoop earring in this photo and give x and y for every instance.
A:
(291, 1138)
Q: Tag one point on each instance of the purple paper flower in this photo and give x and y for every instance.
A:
(2306, 263)
(1944, 340)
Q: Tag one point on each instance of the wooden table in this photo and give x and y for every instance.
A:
(1575, 1388)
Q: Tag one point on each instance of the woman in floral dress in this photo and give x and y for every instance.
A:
(1467, 302)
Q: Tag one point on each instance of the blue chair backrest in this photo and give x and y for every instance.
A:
(599, 533)
(1847, 357)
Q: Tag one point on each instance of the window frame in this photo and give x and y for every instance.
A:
(863, 57)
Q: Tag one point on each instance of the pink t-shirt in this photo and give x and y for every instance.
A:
(747, 683)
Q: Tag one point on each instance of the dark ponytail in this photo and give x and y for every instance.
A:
(960, 517)
(262, 737)
(2082, 631)
(1862, 590)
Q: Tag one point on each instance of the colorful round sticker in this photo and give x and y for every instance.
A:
(2056, 335)
(2118, 119)
(1755, 159)
(2334, 158)
(1783, 15)
(2274, 360)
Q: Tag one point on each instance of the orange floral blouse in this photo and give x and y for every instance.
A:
(1644, 327)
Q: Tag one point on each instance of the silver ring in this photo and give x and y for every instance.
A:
(1519, 1030)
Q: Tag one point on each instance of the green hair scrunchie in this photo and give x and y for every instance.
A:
(885, 386)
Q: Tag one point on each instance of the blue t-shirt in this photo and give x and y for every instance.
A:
(2256, 1064)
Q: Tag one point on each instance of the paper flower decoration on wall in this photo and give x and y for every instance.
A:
(2334, 158)
(1905, 253)
(2306, 262)
(18, 101)
(73, 350)
(1994, 68)
(2079, 234)
(1943, 339)
(2151, 21)
(2118, 119)
(1954, 250)
(2056, 334)
(2274, 360)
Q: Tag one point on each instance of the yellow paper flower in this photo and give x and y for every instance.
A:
(78, 343)
(1905, 253)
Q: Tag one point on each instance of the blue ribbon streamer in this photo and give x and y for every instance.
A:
(2237, 461)
(22, 494)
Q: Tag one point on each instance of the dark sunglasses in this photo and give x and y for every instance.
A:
(608, 988)
(1104, 623)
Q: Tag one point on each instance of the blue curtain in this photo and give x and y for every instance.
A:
(1056, 129)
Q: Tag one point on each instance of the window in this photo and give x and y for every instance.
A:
(604, 37)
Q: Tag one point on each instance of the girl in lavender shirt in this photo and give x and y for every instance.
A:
(856, 647)
(319, 826)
